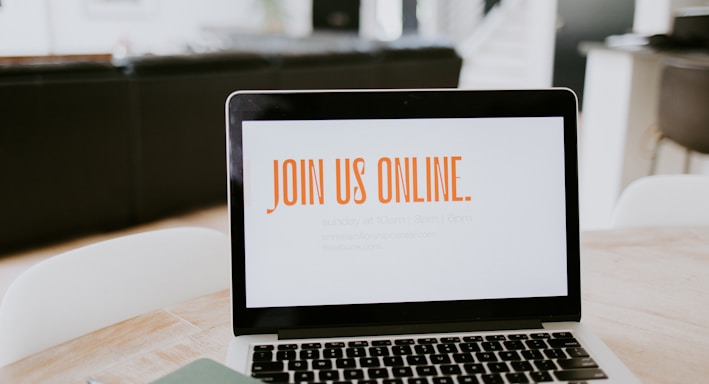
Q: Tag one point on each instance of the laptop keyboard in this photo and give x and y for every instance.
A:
(461, 359)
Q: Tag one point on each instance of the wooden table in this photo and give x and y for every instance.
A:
(645, 293)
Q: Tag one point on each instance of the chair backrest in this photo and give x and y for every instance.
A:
(683, 112)
(664, 200)
(86, 289)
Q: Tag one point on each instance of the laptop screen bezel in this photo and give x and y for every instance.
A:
(399, 104)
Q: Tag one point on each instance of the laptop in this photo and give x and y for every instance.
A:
(408, 237)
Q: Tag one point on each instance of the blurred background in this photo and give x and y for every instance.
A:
(610, 52)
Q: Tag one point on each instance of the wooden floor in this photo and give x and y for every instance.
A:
(11, 265)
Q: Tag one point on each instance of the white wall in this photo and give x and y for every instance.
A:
(655, 16)
(542, 34)
(23, 28)
(513, 47)
(38, 27)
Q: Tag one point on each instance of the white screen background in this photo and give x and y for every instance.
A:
(507, 241)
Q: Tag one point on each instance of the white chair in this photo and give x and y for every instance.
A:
(664, 200)
(86, 289)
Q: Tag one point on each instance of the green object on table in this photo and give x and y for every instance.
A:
(205, 371)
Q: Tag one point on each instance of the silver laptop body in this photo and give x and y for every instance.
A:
(408, 237)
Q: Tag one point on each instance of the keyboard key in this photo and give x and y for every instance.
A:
(381, 343)
(377, 373)
(540, 335)
(417, 380)
(513, 345)
(467, 380)
(271, 377)
(356, 352)
(562, 335)
(491, 346)
(262, 356)
(498, 367)
(509, 356)
(493, 378)
(447, 348)
(450, 340)
(521, 366)
(450, 370)
(404, 342)
(345, 363)
(463, 357)
(393, 361)
(378, 351)
(584, 362)
(393, 381)
(285, 355)
(329, 375)
(355, 344)
(322, 364)
(554, 354)
(263, 347)
(444, 359)
(297, 365)
(288, 347)
(425, 349)
(303, 376)
(311, 346)
(564, 343)
(271, 366)
(369, 362)
(580, 374)
(428, 340)
(402, 372)
(520, 336)
(469, 347)
(401, 350)
(309, 354)
(472, 339)
(417, 360)
(353, 374)
(540, 376)
(536, 344)
(332, 353)
(336, 344)
(426, 370)
(495, 338)
(545, 365)
(443, 380)
(532, 355)
(486, 357)
(474, 368)
(576, 352)
(517, 378)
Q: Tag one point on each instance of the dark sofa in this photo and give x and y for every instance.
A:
(66, 151)
(87, 146)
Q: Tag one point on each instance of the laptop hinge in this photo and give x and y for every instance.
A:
(302, 333)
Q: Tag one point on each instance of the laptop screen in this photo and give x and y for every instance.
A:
(407, 210)
(351, 210)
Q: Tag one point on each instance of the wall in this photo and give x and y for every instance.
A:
(655, 16)
(513, 47)
(541, 37)
(24, 30)
(37, 27)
